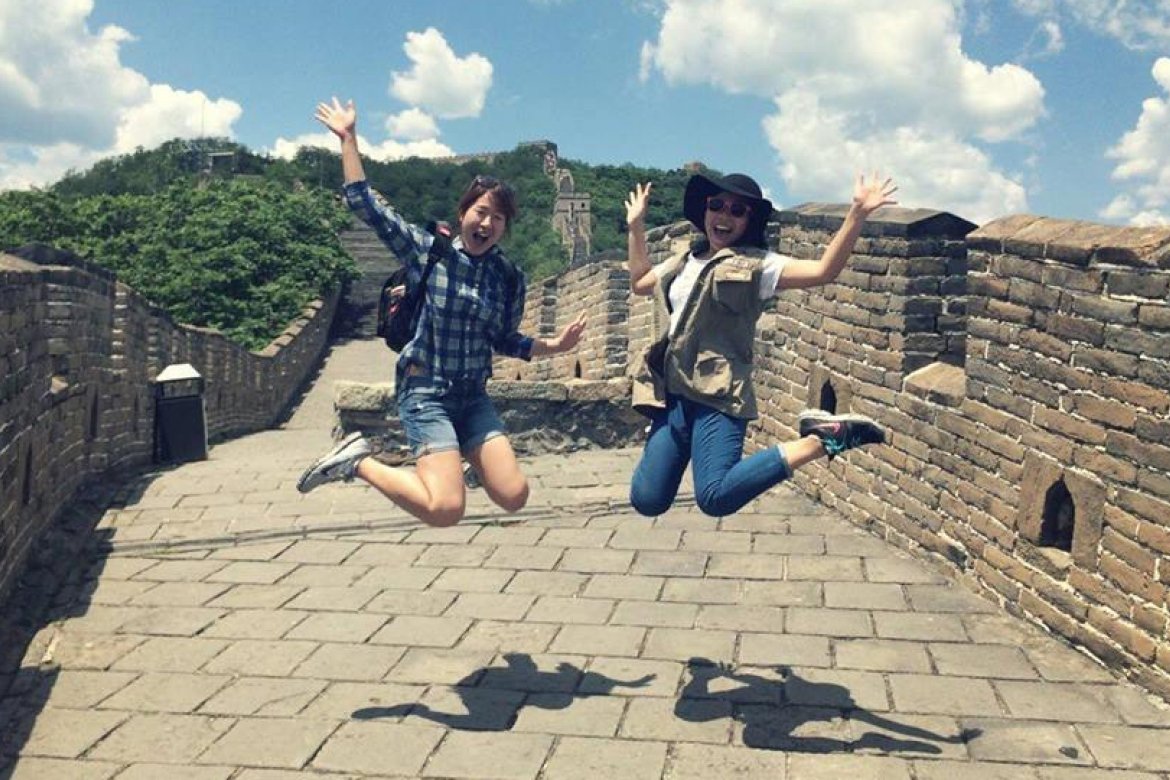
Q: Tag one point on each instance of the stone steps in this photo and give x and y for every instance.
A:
(357, 317)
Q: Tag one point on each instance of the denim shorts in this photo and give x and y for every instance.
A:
(439, 415)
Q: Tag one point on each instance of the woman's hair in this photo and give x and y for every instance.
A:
(503, 196)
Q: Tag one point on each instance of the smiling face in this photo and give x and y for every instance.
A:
(482, 224)
(722, 226)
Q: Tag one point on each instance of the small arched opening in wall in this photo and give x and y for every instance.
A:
(577, 370)
(1058, 520)
(91, 430)
(828, 401)
(27, 477)
(1061, 515)
(827, 391)
(518, 377)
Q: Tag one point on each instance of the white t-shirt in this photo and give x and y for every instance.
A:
(680, 289)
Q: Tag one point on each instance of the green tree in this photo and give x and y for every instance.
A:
(244, 252)
(240, 255)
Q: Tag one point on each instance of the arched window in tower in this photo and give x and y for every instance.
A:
(577, 370)
(1059, 519)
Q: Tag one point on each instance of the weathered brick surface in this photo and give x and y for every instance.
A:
(1051, 338)
(76, 403)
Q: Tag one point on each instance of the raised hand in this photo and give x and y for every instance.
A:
(872, 195)
(341, 120)
(568, 338)
(636, 203)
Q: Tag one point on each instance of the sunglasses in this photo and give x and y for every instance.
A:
(734, 207)
(487, 182)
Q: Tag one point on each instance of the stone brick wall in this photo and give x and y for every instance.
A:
(600, 291)
(1023, 371)
(1051, 412)
(77, 353)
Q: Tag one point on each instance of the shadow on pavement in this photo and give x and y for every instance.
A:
(773, 720)
(493, 696)
(56, 584)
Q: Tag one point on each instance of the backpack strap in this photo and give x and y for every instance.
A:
(439, 248)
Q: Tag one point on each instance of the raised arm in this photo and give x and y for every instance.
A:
(867, 198)
(642, 275)
(342, 122)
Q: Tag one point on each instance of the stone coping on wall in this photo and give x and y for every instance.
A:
(1076, 242)
(379, 396)
(540, 417)
(942, 383)
(888, 221)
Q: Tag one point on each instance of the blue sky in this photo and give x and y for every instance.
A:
(979, 107)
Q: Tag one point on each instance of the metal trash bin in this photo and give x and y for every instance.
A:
(180, 418)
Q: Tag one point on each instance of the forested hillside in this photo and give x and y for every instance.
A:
(226, 238)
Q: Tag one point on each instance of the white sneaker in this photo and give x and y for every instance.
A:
(338, 464)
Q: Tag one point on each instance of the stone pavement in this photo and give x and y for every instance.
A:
(228, 627)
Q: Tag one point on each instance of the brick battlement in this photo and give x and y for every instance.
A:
(78, 351)
(1023, 371)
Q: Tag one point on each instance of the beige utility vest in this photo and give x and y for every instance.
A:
(709, 357)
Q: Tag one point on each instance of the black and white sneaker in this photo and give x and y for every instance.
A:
(471, 477)
(338, 464)
(839, 432)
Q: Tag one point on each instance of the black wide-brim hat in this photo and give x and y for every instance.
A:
(701, 187)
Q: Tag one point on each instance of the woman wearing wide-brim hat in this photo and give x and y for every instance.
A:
(694, 382)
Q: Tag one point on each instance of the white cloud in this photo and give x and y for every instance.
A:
(287, 148)
(822, 149)
(413, 124)
(59, 81)
(395, 150)
(439, 82)
(67, 100)
(1143, 156)
(1142, 25)
(887, 83)
(387, 150)
(22, 167)
(174, 113)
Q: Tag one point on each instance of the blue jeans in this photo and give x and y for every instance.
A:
(688, 431)
(438, 415)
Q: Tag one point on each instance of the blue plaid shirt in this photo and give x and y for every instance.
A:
(472, 307)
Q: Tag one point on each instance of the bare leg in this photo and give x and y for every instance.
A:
(495, 461)
(802, 451)
(433, 492)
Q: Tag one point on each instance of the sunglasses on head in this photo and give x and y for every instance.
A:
(487, 182)
(734, 207)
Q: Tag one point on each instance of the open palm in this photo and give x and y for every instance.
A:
(340, 119)
(636, 203)
(875, 193)
(571, 334)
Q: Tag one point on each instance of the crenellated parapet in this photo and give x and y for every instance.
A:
(1022, 370)
(78, 351)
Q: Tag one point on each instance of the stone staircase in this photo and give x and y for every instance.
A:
(357, 317)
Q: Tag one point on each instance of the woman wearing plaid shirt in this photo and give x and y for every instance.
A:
(473, 308)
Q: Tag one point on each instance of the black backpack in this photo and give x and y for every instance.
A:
(398, 315)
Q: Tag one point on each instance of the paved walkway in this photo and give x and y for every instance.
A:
(231, 628)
